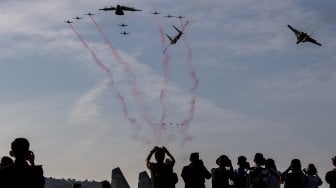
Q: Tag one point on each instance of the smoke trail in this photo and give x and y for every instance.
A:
(166, 72)
(108, 71)
(193, 75)
(136, 91)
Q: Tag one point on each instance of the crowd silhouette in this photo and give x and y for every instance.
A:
(23, 173)
(263, 174)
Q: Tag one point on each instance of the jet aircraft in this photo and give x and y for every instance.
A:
(89, 14)
(68, 21)
(180, 17)
(124, 33)
(156, 12)
(77, 18)
(122, 25)
(302, 36)
(173, 40)
(176, 38)
(169, 16)
(119, 9)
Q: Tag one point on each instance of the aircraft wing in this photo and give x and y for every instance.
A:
(177, 30)
(108, 8)
(309, 39)
(129, 8)
(294, 30)
(171, 40)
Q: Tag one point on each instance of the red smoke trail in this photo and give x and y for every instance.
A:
(166, 72)
(136, 91)
(193, 90)
(108, 71)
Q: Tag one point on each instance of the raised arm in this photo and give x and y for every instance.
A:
(150, 156)
(169, 155)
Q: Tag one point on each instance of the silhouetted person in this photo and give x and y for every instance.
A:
(105, 184)
(222, 175)
(76, 185)
(273, 174)
(195, 173)
(241, 172)
(20, 174)
(173, 176)
(5, 161)
(293, 177)
(161, 173)
(258, 176)
(313, 180)
(331, 175)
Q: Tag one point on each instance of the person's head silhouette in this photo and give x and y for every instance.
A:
(159, 155)
(20, 149)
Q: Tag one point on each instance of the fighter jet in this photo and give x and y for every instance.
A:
(156, 12)
(180, 17)
(89, 14)
(68, 21)
(176, 38)
(169, 16)
(302, 36)
(119, 10)
(122, 25)
(124, 33)
(77, 18)
(173, 40)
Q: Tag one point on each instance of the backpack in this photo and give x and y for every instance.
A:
(258, 178)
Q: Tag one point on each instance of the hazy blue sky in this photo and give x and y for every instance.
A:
(258, 90)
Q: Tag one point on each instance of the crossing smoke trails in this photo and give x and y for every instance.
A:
(137, 93)
(165, 66)
(193, 75)
(120, 97)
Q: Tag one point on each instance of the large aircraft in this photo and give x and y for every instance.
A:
(119, 9)
(124, 33)
(302, 36)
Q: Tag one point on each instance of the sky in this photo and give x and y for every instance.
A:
(236, 80)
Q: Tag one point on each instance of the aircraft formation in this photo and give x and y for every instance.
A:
(119, 10)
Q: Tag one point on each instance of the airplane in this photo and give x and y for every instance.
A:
(169, 16)
(125, 33)
(156, 12)
(77, 18)
(89, 14)
(122, 25)
(302, 36)
(179, 17)
(176, 38)
(119, 10)
(68, 21)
